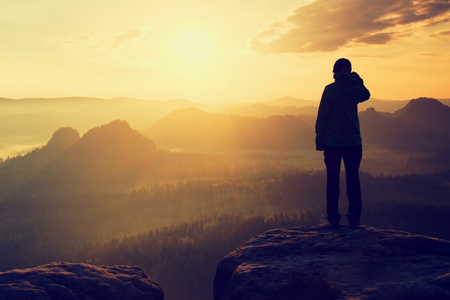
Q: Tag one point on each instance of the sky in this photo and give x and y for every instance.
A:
(221, 51)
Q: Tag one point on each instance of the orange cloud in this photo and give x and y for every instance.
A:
(326, 25)
(441, 33)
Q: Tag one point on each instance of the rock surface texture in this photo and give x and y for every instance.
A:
(79, 281)
(321, 263)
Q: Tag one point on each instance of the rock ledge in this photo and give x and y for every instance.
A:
(70, 281)
(320, 263)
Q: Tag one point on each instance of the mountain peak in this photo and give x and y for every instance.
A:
(426, 112)
(63, 138)
(116, 136)
(112, 152)
(110, 130)
(422, 105)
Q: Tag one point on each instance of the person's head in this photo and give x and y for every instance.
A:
(342, 64)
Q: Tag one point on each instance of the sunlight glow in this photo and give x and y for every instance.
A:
(193, 44)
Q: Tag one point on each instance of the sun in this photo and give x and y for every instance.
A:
(193, 44)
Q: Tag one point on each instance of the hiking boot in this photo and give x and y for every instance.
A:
(334, 226)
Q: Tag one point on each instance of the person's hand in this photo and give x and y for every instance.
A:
(356, 78)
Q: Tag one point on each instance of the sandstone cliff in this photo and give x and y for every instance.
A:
(70, 281)
(319, 263)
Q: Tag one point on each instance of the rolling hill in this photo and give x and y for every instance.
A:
(193, 129)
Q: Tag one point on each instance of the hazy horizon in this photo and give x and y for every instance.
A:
(27, 124)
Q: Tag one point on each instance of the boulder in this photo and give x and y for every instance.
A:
(70, 281)
(322, 263)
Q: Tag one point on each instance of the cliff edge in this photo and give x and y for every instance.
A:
(320, 263)
(70, 281)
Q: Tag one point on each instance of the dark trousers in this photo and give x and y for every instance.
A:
(352, 159)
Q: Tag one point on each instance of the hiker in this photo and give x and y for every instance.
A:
(338, 135)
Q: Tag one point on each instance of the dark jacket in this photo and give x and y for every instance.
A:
(337, 121)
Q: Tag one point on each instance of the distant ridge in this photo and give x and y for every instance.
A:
(289, 101)
(423, 106)
(194, 129)
(264, 110)
(422, 125)
(29, 122)
(77, 102)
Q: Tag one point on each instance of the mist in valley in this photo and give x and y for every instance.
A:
(172, 186)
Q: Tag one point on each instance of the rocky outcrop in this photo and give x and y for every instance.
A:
(70, 281)
(62, 139)
(320, 263)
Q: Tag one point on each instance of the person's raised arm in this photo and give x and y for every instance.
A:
(363, 92)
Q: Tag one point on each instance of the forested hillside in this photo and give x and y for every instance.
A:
(195, 129)
(113, 196)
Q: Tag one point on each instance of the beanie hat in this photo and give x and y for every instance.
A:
(342, 64)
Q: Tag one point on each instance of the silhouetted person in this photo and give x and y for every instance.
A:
(338, 135)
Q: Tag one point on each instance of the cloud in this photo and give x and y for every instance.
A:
(377, 38)
(119, 48)
(102, 41)
(327, 25)
(441, 33)
(128, 36)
